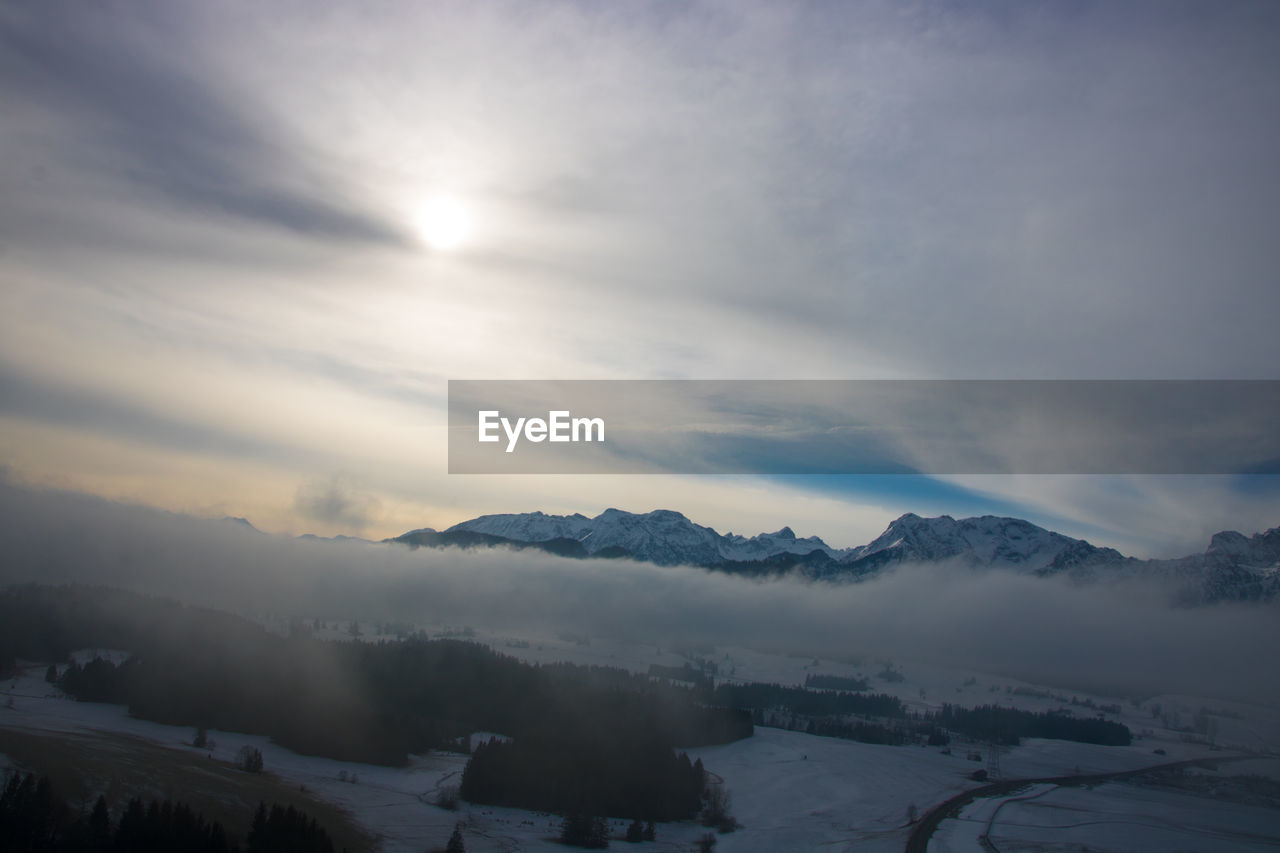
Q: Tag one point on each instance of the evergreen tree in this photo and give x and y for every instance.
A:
(250, 759)
(131, 831)
(35, 819)
(100, 826)
(31, 815)
(455, 844)
(258, 836)
(583, 830)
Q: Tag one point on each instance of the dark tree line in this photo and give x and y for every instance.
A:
(860, 730)
(581, 829)
(374, 702)
(987, 723)
(638, 832)
(810, 703)
(163, 826)
(686, 673)
(1010, 725)
(814, 681)
(99, 680)
(570, 773)
(282, 829)
(883, 719)
(35, 819)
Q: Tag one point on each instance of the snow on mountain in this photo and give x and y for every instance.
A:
(1260, 551)
(529, 526)
(1234, 567)
(663, 536)
(763, 546)
(986, 541)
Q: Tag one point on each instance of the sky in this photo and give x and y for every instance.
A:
(217, 296)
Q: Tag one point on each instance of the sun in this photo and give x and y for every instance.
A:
(444, 222)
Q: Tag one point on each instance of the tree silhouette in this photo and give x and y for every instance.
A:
(583, 830)
(250, 759)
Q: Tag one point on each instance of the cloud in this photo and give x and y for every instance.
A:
(877, 427)
(1142, 516)
(138, 104)
(336, 502)
(48, 402)
(1110, 638)
(721, 190)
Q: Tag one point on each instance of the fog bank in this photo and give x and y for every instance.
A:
(1114, 637)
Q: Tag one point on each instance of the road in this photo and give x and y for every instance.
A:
(918, 842)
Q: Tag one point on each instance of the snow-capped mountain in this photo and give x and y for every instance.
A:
(663, 536)
(764, 546)
(1260, 551)
(1234, 567)
(529, 526)
(986, 542)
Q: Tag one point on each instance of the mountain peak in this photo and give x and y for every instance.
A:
(655, 514)
(986, 541)
(1262, 550)
(1234, 566)
(662, 536)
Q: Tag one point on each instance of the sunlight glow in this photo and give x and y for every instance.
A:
(444, 222)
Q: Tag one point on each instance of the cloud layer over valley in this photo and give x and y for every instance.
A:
(1122, 639)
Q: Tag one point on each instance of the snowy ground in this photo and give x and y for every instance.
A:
(798, 792)
(1156, 721)
(1113, 816)
(790, 791)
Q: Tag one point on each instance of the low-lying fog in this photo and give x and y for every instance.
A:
(1115, 638)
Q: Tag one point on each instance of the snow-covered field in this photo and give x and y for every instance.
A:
(1112, 816)
(794, 791)
(1155, 722)
(790, 791)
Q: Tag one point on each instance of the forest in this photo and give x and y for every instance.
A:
(34, 818)
(799, 700)
(374, 702)
(586, 773)
(1009, 725)
(578, 739)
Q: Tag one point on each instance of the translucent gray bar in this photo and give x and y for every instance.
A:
(866, 427)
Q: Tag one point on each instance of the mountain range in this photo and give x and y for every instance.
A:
(1233, 567)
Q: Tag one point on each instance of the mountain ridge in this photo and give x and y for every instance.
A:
(1233, 567)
